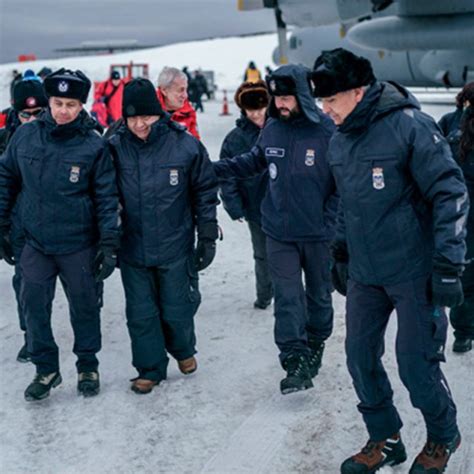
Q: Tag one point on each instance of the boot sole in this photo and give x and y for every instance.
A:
(23, 360)
(305, 386)
(30, 398)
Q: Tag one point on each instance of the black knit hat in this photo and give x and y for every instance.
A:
(281, 85)
(252, 95)
(29, 94)
(115, 75)
(68, 84)
(139, 98)
(340, 70)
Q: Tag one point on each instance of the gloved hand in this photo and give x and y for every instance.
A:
(6, 250)
(204, 254)
(339, 277)
(339, 269)
(104, 263)
(206, 246)
(446, 290)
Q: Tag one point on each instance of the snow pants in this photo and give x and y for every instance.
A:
(301, 311)
(263, 280)
(420, 344)
(160, 306)
(39, 273)
(462, 317)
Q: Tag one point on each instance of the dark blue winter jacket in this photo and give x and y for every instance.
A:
(242, 197)
(450, 124)
(301, 199)
(167, 187)
(403, 198)
(69, 196)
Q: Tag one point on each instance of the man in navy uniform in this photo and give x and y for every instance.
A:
(298, 214)
(399, 245)
(69, 214)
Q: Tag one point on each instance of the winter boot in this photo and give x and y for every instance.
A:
(41, 386)
(143, 386)
(298, 376)
(462, 344)
(315, 358)
(187, 366)
(435, 456)
(88, 383)
(23, 355)
(262, 304)
(374, 455)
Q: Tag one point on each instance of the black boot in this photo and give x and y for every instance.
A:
(316, 356)
(23, 355)
(374, 455)
(262, 304)
(462, 344)
(434, 457)
(88, 383)
(41, 386)
(298, 376)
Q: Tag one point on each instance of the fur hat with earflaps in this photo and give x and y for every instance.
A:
(340, 70)
(252, 96)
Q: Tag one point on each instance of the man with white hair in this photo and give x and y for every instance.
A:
(173, 95)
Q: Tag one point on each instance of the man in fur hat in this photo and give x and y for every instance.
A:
(242, 197)
(399, 245)
(298, 213)
(69, 214)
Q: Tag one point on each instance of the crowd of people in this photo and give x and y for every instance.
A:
(366, 195)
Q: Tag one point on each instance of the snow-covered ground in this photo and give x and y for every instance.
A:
(229, 417)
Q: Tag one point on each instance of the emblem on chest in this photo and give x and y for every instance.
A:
(309, 157)
(74, 174)
(174, 177)
(378, 181)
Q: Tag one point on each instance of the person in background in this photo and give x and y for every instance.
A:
(298, 214)
(109, 93)
(242, 198)
(399, 245)
(69, 214)
(29, 100)
(173, 96)
(252, 74)
(458, 128)
(168, 193)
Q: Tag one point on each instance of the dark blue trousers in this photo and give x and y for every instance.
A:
(420, 344)
(160, 306)
(301, 310)
(84, 295)
(263, 280)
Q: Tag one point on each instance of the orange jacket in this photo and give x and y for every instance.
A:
(113, 100)
(186, 115)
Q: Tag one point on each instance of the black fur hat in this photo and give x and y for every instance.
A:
(139, 98)
(340, 70)
(281, 85)
(68, 84)
(252, 96)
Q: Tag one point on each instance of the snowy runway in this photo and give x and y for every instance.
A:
(227, 418)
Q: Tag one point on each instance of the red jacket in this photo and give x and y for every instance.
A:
(186, 115)
(112, 98)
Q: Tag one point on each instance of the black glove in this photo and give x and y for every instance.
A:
(206, 246)
(6, 250)
(104, 264)
(339, 276)
(339, 269)
(446, 290)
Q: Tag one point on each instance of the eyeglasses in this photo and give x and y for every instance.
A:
(26, 115)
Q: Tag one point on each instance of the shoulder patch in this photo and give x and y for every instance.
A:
(177, 126)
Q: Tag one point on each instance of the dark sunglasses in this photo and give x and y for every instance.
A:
(27, 115)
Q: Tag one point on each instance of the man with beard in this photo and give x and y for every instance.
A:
(298, 214)
(69, 214)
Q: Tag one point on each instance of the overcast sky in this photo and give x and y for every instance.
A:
(41, 26)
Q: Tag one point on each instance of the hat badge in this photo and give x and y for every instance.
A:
(31, 102)
(273, 85)
(63, 86)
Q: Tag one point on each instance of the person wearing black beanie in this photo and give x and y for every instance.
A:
(400, 245)
(168, 193)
